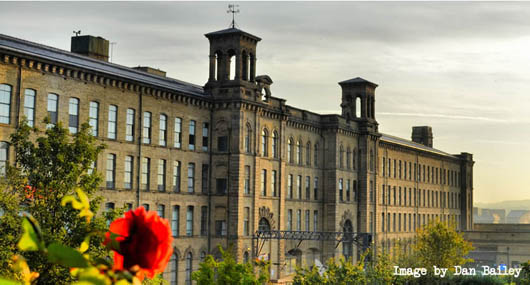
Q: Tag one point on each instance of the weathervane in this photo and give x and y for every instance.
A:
(233, 8)
(77, 33)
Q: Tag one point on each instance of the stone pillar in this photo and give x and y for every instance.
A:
(227, 60)
(354, 108)
(212, 68)
(364, 104)
(252, 68)
(373, 107)
(238, 66)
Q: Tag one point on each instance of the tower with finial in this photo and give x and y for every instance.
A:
(232, 57)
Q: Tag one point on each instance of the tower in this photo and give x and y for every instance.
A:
(358, 99)
(232, 59)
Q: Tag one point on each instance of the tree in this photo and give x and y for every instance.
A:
(439, 244)
(341, 273)
(47, 168)
(228, 271)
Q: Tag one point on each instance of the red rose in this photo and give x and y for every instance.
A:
(144, 240)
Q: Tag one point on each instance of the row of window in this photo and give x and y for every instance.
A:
(290, 184)
(307, 221)
(4, 157)
(351, 157)
(392, 195)
(421, 173)
(408, 222)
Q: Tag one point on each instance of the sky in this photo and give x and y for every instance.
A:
(461, 67)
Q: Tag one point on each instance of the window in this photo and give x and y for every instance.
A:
(29, 105)
(263, 182)
(189, 221)
(5, 104)
(354, 158)
(204, 177)
(275, 144)
(113, 116)
(205, 131)
(341, 189)
(73, 115)
(221, 185)
(204, 221)
(91, 168)
(299, 220)
(220, 228)
(173, 269)
(308, 187)
(348, 158)
(264, 144)
(160, 210)
(93, 117)
(273, 183)
(109, 207)
(146, 166)
(247, 139)
(290, 186)
(128, 173)
(372, 160)
(222, 143)
(111, 170)
(246, 185)
(315, 188)
(341, 157)
(290, 151)
(307, 218)
(316, 154)
(191, 177)
(289, 220)
(246, 221)
(189, 260)
(308, 154)
(178, 132)
(348, 190)
(175, 215)
(162, 137)
(4, 156)
(146, 206)
(191, 138)
(383, 222)
(129, 125)
(162, 175)
(315, 220)
(299, 186)
(298, 153)
(53, 106)
(176, 176)
(146, 133)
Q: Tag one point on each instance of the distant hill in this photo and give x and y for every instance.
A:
(508, 205)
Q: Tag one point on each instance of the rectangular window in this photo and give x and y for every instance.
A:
(93, 117)
(176, 176)
(204, 221)
(348, 185)
(341, 189)
(29, 106)
(91, 168)
(162, 175)
(204, 177)
(308, 187)
(189, 221)
(263, 182)
(221, 186)
(290, 186)
(178, 132)
(113, 116)
(299, 186)
(315, 188)
(274, 183)
(220, 228)
(289, 220)
(307, 219)
(315, 221)
(161, 210)
(191, 138)
(5, 104)
(162, 137)
(175, 215)
(128, 173)
(205, 132)
(129, 125)
(246, 221)
(111, 171)
(73, 115)
(246, 186)
(299, 220)
(222, 143)
(146, 167)
(146, 133)
(53, 106)
(191, 177)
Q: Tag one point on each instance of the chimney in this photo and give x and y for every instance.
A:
(422, 135)
(94, 47)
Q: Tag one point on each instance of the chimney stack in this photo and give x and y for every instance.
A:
(94, 47)
(422, 135)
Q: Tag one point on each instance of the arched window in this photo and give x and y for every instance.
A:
(248, 136)
(232, 63)
(347, 244)
(354, 158)
(308, 154)
(189, 260)
(298, 152)
(290, 150)
(203, 255)
(348, 158)
(264, 225)
(245, 257)
(315, 160)
(341, 156)
(218, 66)
(264, 144)
(174, 269)
(358, 107)
(4, 157)
(372, 160)
(275, 144)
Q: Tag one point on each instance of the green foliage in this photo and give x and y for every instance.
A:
(55, 164)
(343, 272)
(228, 271)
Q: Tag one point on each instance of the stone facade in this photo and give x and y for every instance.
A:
(223, 160)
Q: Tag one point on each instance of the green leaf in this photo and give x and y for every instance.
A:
(64, 255)
(8, 282)
(29, 240)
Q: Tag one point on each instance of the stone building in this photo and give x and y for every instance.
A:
(221, 161)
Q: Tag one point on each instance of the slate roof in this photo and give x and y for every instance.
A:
(80, 61)
(232, 31)
(407, 143)
(357, 80)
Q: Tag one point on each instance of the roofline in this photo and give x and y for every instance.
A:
(412, 144)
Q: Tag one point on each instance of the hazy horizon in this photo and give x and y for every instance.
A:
(460, 67)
